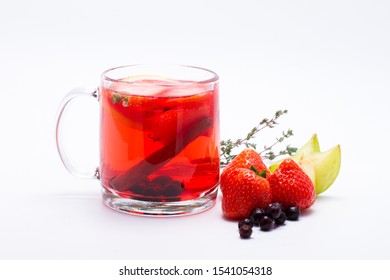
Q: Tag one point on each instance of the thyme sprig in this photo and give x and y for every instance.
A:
(116, 98)
(228, 146)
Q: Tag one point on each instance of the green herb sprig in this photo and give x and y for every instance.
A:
(228, 146)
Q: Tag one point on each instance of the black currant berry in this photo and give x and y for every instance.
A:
(273, 210)
(266, 223)
(245, 231)
(150, 191)
(173, 188)
(292, 213)
(281, 219)
(161, 180)
(256, 215)
(245, 222)
(138, 188)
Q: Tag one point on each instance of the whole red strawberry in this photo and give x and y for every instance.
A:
(248, 159)
(243, 190)
(291, 186)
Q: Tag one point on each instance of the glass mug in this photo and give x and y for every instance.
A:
(159, 139)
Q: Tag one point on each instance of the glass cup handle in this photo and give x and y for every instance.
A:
(71, 95)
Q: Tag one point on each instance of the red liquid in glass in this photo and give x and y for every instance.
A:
(159, 142)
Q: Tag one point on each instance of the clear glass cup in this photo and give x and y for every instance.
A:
(159, 139)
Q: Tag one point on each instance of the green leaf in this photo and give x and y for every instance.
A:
(229, 146)
(115, 98)
(259, 173)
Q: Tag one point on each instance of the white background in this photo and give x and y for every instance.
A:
(327, 62)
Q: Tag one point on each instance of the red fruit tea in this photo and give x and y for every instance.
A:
(159, 138)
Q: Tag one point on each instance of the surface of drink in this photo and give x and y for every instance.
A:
(159, 138)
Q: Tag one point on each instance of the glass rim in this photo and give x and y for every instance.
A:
(214, 76)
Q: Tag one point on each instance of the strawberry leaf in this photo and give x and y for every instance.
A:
(259, 173)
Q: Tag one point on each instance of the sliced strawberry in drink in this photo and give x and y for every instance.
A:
(169, 123)
(135, 111)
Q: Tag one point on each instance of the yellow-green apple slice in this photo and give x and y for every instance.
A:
(311, 147)
(326, 167)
